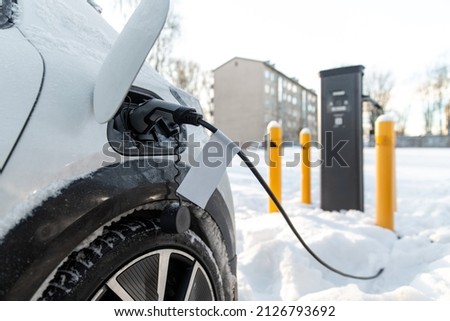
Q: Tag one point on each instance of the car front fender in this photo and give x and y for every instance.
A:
(40, 242)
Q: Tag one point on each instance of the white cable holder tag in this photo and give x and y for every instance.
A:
(210, 166)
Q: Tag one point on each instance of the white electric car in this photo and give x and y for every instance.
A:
(81, 199)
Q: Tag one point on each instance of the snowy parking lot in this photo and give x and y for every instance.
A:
(416, 258)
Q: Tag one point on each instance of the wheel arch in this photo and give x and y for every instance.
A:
(39, 243)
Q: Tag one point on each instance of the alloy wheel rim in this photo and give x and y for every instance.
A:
(161, 275)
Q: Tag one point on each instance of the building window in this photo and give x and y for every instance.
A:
(267, 89)
(280, 90)
(268, 118)
(269, 103)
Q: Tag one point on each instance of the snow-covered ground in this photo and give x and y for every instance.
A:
(274, 266)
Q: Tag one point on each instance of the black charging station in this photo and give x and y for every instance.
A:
(342, 185)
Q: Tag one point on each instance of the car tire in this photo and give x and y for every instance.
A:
(134, 260)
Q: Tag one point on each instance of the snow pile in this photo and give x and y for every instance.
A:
(274, 266)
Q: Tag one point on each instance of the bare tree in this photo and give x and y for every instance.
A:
(436, 98)
(162, 50)
(439, 83)
(186, 75)
(447, 113)
(378, 85)
(428, 110)
(189, 76)
(401, 120)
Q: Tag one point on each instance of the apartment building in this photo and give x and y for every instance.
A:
(248, 94)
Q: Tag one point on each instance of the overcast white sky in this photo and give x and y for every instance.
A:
(303, 37)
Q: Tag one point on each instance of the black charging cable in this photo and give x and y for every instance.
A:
(272, 196)
(183, 115)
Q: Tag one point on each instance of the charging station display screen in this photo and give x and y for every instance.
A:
(339, 102)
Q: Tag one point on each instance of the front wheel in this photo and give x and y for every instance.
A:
(135, 260)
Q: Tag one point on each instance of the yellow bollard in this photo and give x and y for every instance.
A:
(385, 172)
(305, 140)
(274, 162)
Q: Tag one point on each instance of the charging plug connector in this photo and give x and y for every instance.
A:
(145, 116)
